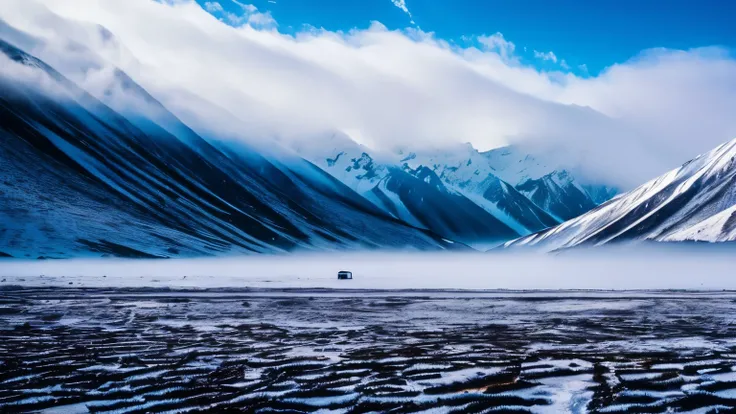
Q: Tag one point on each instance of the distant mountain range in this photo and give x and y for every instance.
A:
(111, 171)
(478, 198)
(87, 176)
(99, 175)
(696, 202)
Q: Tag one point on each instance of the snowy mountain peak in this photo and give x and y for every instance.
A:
(426, 175)
(456, 176)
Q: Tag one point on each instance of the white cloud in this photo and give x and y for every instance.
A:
(261, 19)
(631, 122)
(28, 76)
(401, 4)
(234, 19)
(247, 7)
(213, 7)
(545, 56)
(249, 15)
(497, 43)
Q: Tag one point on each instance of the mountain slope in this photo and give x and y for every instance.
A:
(693, 202)
(458, 192)
(466, 171)
(551, 187)
(83, 179)
(416, 196)
(720, 227)
(442, 210)
(523, 191)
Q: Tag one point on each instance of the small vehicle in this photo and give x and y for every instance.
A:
(344, 275)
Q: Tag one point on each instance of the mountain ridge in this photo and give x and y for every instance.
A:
(161, 196)
(455, 173)
(693, 202)
(125, 141)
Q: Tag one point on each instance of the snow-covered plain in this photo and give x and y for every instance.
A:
(127, 350)
(631, 268)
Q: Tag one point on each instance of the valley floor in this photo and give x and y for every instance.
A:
(303, 350)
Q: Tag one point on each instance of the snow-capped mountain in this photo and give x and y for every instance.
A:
(552, 194)
(695, 202)
(81, 178)
(415, 195)
(119, 147)
(549, 185)
(468, 172)
(434, 188)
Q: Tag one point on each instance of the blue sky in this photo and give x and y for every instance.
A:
(596, 34)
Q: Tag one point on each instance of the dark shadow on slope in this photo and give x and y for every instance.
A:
(117, 250)
(444, 212)
(516, 205)
(176, 183)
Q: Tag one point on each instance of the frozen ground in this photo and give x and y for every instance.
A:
(625, 331)
(634, 268)
(74, 350)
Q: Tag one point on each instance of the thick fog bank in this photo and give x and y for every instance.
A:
(683, 267)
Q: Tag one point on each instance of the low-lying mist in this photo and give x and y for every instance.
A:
(640, 267)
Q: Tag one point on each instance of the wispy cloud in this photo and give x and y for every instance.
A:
(402, 5)
(498, 44)
(550, 56)
(629, 123)
(244, 6)
(249, 15)
(213, 7)
(261, 19)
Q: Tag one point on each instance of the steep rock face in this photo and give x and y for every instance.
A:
(552, 188)
(81, 178)
(693, 202)
(444, 211)
(557, 194)
(514, 204)
(527, 194)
